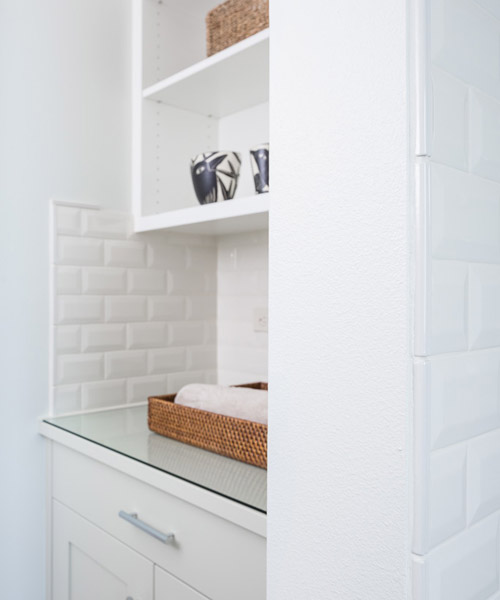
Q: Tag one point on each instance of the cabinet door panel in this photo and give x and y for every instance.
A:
(168, 587)
(89, 564)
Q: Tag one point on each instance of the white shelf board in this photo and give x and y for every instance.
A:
(219, 218)
(227, 82)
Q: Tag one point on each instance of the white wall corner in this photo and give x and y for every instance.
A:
(423, 238)
(420, 28)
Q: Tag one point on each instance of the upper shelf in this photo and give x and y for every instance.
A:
(227, 82)
(219, 218)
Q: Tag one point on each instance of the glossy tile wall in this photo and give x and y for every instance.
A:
(242, 296)
(457, 322)
(133, 315)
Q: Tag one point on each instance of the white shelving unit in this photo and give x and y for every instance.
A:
(186, 104)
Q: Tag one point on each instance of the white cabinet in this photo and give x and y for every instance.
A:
(215, 553)
(185, 104)
(170, 588)
(89, 564)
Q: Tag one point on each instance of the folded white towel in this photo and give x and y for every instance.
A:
(243, 403)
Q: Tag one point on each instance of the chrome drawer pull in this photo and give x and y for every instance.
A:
(132, 518)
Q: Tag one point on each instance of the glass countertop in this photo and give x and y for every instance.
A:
(125, 430)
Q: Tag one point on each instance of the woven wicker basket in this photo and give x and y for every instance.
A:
(235, 438)
(233, 21)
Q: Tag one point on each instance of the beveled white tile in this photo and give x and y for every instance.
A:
(98, 338)
(67, 339)
(201, 258)
(106, 224)
(68, 220)
(201, 307)
(465, 42)
(186, 333)
(127, 253)
(80, 309)
(449, 120)
(465, 568)
(77, 368)
(242, 358)
(484, 306)
(446, 498)
(484, 135)
(67, 398)
(446, 326)
(484, 476)
(140, 388)
(164, 255)
(201, 358)
(130, 363)
(126, 309)
(186, 282)
(146, 281)
(79, 251)
(146, 335)
(68, 280)
(166, 308)
(103, 393)
(104, 280)
(166, 360)
(465, 216)
(460, 395)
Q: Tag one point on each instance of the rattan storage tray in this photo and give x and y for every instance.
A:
(233, 21)
(231, 437)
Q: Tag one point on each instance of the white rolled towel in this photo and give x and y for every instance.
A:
(243, 403)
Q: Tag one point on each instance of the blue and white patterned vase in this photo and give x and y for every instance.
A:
(215, 176)
(259, 157)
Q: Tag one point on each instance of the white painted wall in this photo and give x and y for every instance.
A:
(64, 123)
(339, 302)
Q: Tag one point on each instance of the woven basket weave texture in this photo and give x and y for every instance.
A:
(235, 438)
(233, 21)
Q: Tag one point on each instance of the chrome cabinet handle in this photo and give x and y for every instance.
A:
(132, 518)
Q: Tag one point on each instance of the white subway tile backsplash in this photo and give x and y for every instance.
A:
(166, 360)
(80, 309)
(202, 258)
(465, 568)
(104, 280)
(484, 134)
(162, 255)
(103, 393)
(146, 335)
(146, 281)
(67, 339)
(446, 327)
(202, 357)
(186, 333)
(465, 42)
(68, 220)
(99, 338)
(450, 120)
(461, 395)
(166, 308)
(446, 495)
(129, 363)
(187, 282)
(140, 388)
(67, 398)
(106, 224)
(201, 307)
(127, 253)
(484, 306)
(484, 476)
(68, 280)
(79, 251)
(242, 358)
(465, 216)
(125, 309)
(78, 368)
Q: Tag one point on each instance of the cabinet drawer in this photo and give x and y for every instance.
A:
(220, 559)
